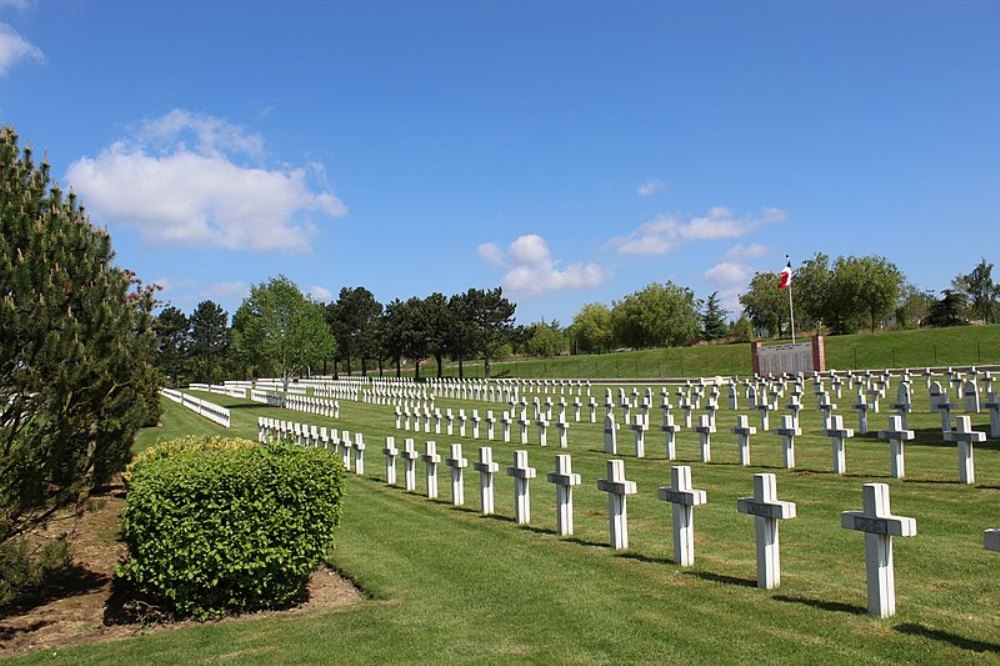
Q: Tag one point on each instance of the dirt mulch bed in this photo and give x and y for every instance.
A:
(71, 611)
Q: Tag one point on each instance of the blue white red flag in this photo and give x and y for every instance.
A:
(786, 276)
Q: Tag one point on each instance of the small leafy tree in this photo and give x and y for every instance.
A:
(764, 304)
(278, 329)
(591, 328)
(981, 293)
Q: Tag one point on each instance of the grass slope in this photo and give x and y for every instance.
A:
(448, 585)
(963, 345)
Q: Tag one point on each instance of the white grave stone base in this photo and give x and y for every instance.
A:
(879, 526)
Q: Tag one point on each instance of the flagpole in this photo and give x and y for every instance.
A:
(791, 306)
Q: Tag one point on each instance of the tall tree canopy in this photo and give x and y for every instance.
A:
(76, 364)
(209, 341)
(713, 319)
(279, 330)
(591, 328)
(353, 320)
(660, 315)
(980, 292)
(173, 332)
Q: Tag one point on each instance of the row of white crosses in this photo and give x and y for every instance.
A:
(310, 435)
(211, 411)
(875, 519)
(297, 402)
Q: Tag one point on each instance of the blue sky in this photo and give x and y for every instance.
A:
(570, 151)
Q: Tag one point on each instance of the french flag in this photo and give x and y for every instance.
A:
(786, 275)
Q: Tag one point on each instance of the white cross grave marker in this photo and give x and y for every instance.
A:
(670, 430)
(837, 434)
(743, 430)
(410, 456)
(618, 489)
(684, 498)
(896, 434)
(788, 431)
(966, 437)
(390, 452)
(879, 526)
(705, 430)
(486, 468)
(639, 428)
(565, 479)
(431, 460)
(457, 464)
(610, 434)
(522, 474)
(767, 510)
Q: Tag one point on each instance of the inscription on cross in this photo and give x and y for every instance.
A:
(683, 498)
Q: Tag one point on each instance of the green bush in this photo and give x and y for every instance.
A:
(26, 567)
(217, 526)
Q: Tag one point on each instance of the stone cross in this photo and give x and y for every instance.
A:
(437, 421)
(904, 403)
(576, 409)
(523, 423)
(670, 429)
(390, 452)
(505, 423)
(450, 425)
(993, 405)
(593, 409)
(687, 407)
(788, 431)
(457, 464)
(491, 423)
(461, 422)
(966, 437)
(826, 407)
(618, 489)
(410, 456)
(794, 406)
(862, 407)
(896, 434)
(543, 427)
(943, 405)
(522, 474)
(486, 468)
(639, 428)
(610, 434)
(734, 401)
(743, 430)
(991, 539)
(879, 526)
(684, 498)
(563, 429)
(399, 417)
(764, 407)
(564, 479)
(705, 430)
(874, 394)
(475, 424)
(837, 434)
(767, 510)
(431, 460)
(971, 394)
(359, 453)
(345, 449)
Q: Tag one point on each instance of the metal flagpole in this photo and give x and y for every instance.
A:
(791, 306)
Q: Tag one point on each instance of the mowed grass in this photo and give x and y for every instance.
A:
(448, 585)
(962, 345)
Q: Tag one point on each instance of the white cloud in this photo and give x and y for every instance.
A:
(728, 275)
(668, 232)
(170, 284)
(651, 187)
(177, 183)
(14, 47)
(320, 294)
(490, 253)
(533, 269)
(226, 290)
(747, 252)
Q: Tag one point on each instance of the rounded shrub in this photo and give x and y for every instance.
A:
(217, 525)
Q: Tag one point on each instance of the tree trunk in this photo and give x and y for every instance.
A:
(461, 367)
(437, 357)
(380, 366)
(486, 367)
(348, 361)
(364, 367)
(399, 366)
(416, 372)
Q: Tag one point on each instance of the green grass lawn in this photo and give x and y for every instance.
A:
(961, 345)
(447, 585)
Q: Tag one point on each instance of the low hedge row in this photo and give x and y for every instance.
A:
(216, 526)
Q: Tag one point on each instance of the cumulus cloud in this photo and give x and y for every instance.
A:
(177, 181)
(651, 187)
(532, 269)
(320, 294)
(14, 47)
(746, 252)
(727, 275)
(226, 290)
(666, 233)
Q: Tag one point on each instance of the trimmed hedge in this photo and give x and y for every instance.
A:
(216, 525)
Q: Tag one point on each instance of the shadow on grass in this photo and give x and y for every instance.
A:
(722, 578)
(499, 518)
(947, 637)
(584, 542)
(823, 605)
(8, 633)
(539, 530)
(645, 558)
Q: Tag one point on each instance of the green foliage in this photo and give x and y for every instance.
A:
(544, 340)
(173, 343)
(209, 342)
(592, 328)
(76, 373)
(713, 319)
(221, 526)
(278, 329)
(862, 290)
(742, 330)
(26, 566)
(913, 306)
(353, 320)
(660, 315)
(982, 294)
(765, 304)
(948, 311)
